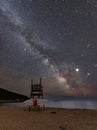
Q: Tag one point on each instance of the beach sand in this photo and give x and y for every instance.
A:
(16, 118)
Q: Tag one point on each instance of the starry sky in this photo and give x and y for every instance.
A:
(52, 39)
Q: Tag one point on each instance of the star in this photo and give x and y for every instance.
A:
(77, 69)
(54, 39)
(88, 74)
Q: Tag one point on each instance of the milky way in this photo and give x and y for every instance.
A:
(55, 40)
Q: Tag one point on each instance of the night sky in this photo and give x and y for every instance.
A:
(52, 39)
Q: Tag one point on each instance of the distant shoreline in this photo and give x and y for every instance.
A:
(11, 101)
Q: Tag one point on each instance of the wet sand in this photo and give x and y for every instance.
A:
(16, 118)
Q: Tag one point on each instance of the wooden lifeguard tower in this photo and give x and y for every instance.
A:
(36, 90)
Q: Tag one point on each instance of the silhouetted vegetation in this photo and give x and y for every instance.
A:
(11, 96)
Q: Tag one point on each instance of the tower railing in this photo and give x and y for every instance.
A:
(36, 90)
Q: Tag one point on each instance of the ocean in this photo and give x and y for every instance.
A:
(68, 104)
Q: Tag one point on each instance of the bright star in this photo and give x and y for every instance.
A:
(77, 69)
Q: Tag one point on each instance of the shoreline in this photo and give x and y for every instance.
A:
(11, 101)
(64, 105)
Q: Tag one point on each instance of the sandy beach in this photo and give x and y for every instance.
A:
(16, 118)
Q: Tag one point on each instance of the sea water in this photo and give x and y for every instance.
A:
(74, 104)
(71, 104)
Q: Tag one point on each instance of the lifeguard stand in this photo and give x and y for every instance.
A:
(36, 90)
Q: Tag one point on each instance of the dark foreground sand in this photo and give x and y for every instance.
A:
(16, 118)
